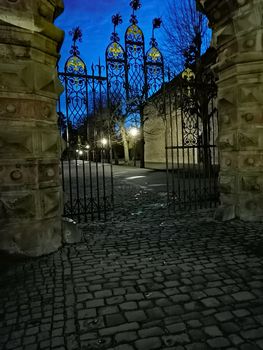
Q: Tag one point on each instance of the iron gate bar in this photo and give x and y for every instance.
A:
(190, 147)
(84, 76)
(91, 188)
(103, 181)
(177, 153)
(171, 137)
(97, 185)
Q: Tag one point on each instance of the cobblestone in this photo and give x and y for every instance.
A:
(148, 343)
(142, 281)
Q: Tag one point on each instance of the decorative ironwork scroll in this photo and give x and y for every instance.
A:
(154, 63)
(116, 70)
(74, 77)
(132, 75)
(191, 126)
(135, 51)
(84, 95)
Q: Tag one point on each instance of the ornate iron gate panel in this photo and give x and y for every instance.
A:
(85, 130)
(191, 152)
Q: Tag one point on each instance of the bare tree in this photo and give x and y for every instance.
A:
(182, 25)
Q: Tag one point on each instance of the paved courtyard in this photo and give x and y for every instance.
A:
(144, 280)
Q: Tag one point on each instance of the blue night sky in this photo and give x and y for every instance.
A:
(94, 18)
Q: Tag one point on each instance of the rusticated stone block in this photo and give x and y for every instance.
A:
(251, 161)
(248, 20)
(227, 99)
(250, 116)
(251, 207)
(227, 141)
(247, 141)
(17, 175)
(17, 205)
(30, 184)
(42, 79)
(15, 143)
(51, 203)
(48, 173)
(227, 184)
(251, 93)
(49, 143)
(228, 161)
(253, 184)
(34, 239)
(26, 109)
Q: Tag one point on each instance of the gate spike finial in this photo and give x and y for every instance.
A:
(157, 22)
(76, 34)
(92, 69)
(135, 5)
(116, 20)
(100, 67)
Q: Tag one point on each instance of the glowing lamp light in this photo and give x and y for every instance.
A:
(80, 152)
(134, 132)
(104, 142)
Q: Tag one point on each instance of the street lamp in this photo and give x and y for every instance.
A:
(79, 153)
(104, 142)
(134, 132)
(87, 149)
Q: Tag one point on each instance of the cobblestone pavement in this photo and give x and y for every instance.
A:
(142, 281)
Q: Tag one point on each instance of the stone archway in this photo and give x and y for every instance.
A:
(238, 35)
(30, 189)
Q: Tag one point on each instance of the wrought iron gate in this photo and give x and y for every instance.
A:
(85, 130)
(93, 105)
(192, 160)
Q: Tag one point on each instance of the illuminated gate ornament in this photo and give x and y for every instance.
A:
(133, 76)
(188, 74)
(74, 63)
(154, 62)
(83, 94)
(154, 54)
(134, 34)
(135, 52)
(116, 50)
(116, 65)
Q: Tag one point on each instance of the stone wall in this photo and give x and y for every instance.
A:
(154, 137)
(238, 35)
(30, 188)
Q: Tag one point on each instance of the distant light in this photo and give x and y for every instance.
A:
(134, 177)
(134, 132)
(104, 142)
(87, 146)
(80, 152)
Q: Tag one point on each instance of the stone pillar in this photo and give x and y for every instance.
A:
(30, 189)
(238, 35)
